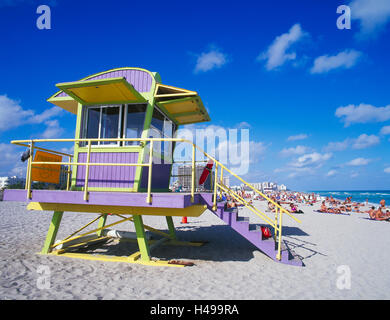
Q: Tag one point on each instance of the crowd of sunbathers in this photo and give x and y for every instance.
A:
(280, 198)
(292, 207)
(380, 214)
(340, 207)
(329, 205)
(237, 200)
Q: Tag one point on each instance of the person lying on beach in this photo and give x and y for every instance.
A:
(232, 204)
(381, 216)
(329, 210)
(323, 207)
(372, 213)
(271, 206)
(383, 205)
(294, 209)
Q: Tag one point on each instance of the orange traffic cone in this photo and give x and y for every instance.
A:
(184, 220)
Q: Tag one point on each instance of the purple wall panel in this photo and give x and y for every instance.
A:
(140, 80)
(108, 176)
(160, 176)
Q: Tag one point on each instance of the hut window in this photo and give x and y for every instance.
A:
(93, 119)
(135, 118)
(103, 122)
(109, 124)
(162, 127)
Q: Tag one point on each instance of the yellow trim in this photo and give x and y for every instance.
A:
(112, 90)
(191, 211)
(131, 259)
(66, 103)
(174, 91)
(152, 74)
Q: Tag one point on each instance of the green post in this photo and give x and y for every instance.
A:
(102, 223)
(141, 238)
(171, 227)
(52, 233)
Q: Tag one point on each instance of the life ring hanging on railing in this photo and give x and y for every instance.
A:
(206, 171)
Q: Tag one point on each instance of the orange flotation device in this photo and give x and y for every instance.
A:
(206, 171)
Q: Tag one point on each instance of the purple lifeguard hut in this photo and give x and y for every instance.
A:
(122, 166)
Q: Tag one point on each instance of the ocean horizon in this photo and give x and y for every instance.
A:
(373, 196)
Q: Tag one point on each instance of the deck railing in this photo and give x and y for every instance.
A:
(218, 186)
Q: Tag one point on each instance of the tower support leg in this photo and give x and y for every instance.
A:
(52, 233)
(171, 227)
(102, 223)
(141, 238)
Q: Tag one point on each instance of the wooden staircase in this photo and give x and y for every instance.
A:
(253, 234)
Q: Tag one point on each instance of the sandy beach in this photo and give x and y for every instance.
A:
(227, 267)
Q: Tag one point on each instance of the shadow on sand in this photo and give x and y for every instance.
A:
(222, 244)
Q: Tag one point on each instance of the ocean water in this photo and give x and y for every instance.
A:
(373, 196)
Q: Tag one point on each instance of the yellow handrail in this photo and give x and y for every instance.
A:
(250, 207)
(217, 163)
(279, 210)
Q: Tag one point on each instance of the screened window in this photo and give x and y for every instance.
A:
(162, 127)
(103, 122)
(125, 121)
(135, 118)
(92, 123)
(110, 124)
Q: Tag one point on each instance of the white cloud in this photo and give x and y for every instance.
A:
(301, 136)
(45, 115)
(338, 146)
(12, 115)
(354, 175)
(331, 173)
(385, 130)
(276, 54)
(365, 141)
(305, 165)
(286, 152)
(358, 162)
(212, 59)
(373, 15)
(345, 59)
(314, 159)
(10, 159)
(53, 130)
(363, 113)
(232, 147)
(243, 125)
(362, 142)
(387, 170)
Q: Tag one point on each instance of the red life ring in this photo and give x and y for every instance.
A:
(206, 171)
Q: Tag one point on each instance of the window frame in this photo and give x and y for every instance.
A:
(136, 143)
(85, 129)
(174, 129)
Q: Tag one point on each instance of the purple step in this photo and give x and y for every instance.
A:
(252, 233)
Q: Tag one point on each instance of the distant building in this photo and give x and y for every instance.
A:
(3, 182)
(8, 181)
(63, 176)
(226, 181)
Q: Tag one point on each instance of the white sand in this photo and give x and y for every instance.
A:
(228, 267)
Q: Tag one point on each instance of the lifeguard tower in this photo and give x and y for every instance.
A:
(122, 165)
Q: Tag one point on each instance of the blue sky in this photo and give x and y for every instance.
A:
(315, 98)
